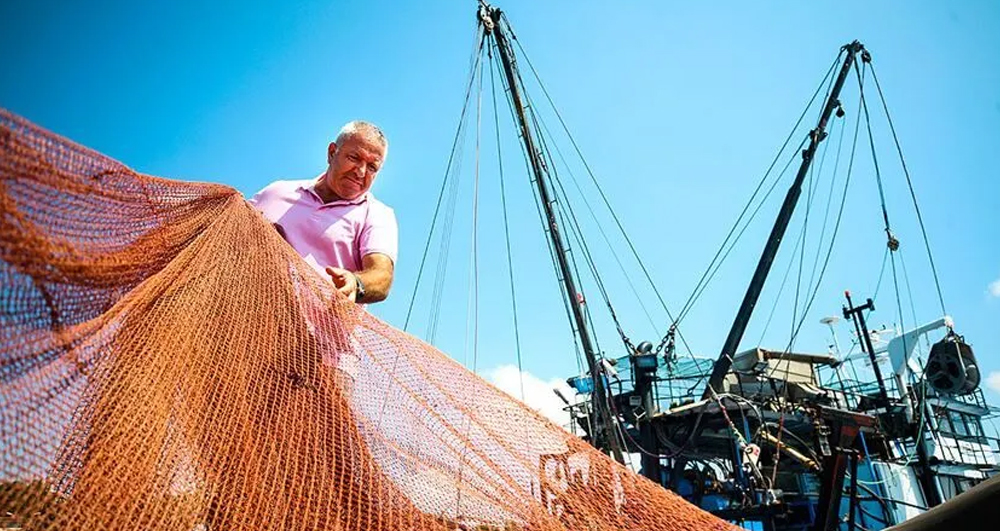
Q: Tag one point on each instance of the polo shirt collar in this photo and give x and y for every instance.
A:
(311, 189)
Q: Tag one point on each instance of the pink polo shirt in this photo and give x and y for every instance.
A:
(335, 234)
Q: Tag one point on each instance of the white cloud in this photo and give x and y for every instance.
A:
(994, 288)
(538, 394)
(993, 381)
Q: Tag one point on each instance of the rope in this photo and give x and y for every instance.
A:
(577, 233)
(480, 38)
(892, 243)
(701, 288)
(833, 239)
(475, 228)
(913, 195)
(506, 229)
(600, 228)
(600, 190)
(695, 293)
(829, 197)
(781, 289)
(545, 227)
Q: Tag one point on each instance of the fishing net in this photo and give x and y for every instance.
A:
(168, 362)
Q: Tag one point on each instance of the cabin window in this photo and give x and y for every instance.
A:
(975, 427)
(950, 487)
(958, 423)
(943, 419)
(947, 487)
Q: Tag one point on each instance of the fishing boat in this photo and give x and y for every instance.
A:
(123, 408)
(865, 431)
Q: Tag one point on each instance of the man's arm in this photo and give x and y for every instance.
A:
(376, 274)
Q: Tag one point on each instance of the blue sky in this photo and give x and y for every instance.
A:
(678, 106)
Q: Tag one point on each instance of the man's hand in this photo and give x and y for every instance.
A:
(344, 281)
(376, 275)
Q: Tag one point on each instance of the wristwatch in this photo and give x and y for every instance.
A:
(360, 292)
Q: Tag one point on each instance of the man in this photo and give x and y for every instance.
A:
(343, 232)
(334, 222)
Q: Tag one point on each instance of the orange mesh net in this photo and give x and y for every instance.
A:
(168, 362)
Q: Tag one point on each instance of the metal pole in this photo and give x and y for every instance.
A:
(927, 476)
(816, 136)
(492, 18)
(857, 314)
(851, 526)
(644, 375)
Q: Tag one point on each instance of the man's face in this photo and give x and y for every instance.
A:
(353, 166)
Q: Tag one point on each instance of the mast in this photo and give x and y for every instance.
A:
(856, 314)
(816, 136)
(490, 17)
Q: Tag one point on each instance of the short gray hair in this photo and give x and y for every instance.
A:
(366, 130)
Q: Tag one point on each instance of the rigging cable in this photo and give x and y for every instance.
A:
(819, 245)
(475, 230)
(472, 316)
(781, 289)
(881, 273)
(506, 228)
(829, 251)
(703, 284)
(695, 293)
(569, 216)
(909, 294)
(810, 195)
(728, 246)
(478, 42)
(833, 239)
(814, 174)
(892, 242)
(569, 222)
(477, 48)
(600, 190)
(829, 198)
(600, 227)
(913, 195)
(577, 233)
(444, 249)
(813, 189)
(545, 228)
